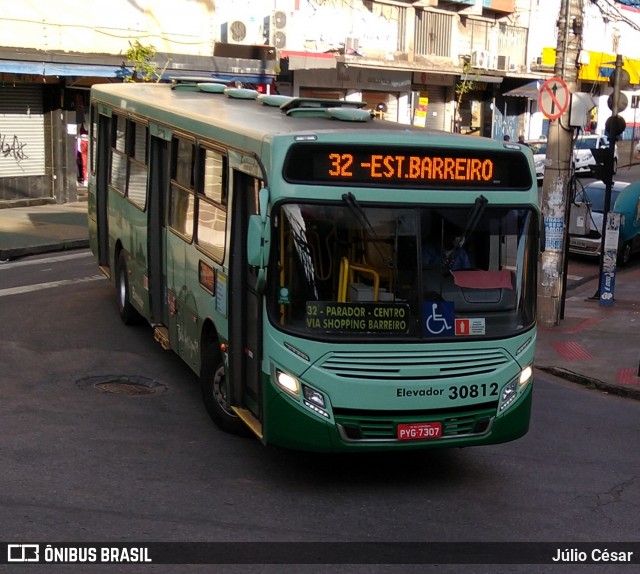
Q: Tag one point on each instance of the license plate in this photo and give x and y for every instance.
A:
(419, 431)
(578, 243)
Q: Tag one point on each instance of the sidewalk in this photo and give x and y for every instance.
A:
(42, 228)
(593, 345)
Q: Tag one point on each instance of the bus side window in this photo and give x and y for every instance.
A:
(182, 201)
(137, 186)
(118, 176)
(212, 202)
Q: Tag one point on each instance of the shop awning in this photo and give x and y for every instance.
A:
(19, 67)
(530, 90)
(488, 79)
(97, 71)
(62, 69)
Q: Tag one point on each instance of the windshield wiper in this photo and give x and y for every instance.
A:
(472, 222)
(355, 208)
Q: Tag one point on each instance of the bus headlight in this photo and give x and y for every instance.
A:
(313, 396)
(510, 392)
(525, 376)
(315, 401)
(288, 383)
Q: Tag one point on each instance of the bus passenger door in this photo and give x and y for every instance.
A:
(158, 186)
(245, 303)
(102, 187)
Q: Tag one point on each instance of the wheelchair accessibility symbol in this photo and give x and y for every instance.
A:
(438, 318)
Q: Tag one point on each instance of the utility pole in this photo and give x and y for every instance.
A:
(557, 173)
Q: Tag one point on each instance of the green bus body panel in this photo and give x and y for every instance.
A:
(291, 426)
(92, 221)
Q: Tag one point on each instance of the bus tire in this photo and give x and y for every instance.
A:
(214, 392)
(127, 313)
(624, 254)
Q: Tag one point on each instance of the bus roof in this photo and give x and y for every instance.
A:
(200, 111)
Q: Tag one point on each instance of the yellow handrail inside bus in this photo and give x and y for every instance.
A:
(347, 276)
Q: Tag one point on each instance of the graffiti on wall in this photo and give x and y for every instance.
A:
(12, 147)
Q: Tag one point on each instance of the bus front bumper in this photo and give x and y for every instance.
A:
(289, 425)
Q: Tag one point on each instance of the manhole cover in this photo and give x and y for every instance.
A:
(123, 385)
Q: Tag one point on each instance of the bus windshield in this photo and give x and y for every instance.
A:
(424, 273)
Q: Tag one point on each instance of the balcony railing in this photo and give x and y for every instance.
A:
(433, 33)
(495, 46)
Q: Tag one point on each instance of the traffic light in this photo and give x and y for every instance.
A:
(614, 126)
(625, 78)
(603, 168)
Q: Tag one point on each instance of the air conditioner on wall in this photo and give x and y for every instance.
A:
(503, 63)
(351, 44)
(480, 59)
(275, 29)
(234, 32)
(492, 61)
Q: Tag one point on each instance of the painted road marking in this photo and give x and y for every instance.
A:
(627, 377)
(50, 285)
(571, 351)
(13, 264)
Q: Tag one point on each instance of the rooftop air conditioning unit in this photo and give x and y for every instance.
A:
(275, 29)
(234, 32)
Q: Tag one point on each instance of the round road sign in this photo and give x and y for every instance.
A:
(553, 98)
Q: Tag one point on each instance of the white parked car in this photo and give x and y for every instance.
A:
(539, 150)
(583, 160)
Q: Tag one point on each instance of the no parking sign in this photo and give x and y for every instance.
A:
(553, 99)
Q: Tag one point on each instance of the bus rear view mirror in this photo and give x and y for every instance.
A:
(258, 240)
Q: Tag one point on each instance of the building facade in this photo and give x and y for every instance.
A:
(472, 66)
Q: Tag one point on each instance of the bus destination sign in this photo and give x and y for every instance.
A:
(417, 167)
(369, 317)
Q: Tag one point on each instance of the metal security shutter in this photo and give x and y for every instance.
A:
(22, 145)
(436, 107)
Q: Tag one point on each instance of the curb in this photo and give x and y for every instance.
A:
(592, 383)
(14, 253)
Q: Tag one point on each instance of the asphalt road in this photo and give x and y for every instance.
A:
(91, 463)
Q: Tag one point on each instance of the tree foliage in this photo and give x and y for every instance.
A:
(144, 69)
(466, 84)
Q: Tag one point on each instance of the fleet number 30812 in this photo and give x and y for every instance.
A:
(473, 391)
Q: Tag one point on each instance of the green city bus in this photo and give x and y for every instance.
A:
(338, 283)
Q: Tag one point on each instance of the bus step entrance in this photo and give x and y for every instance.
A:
(161, 334)
(106, 270)
(249, 419)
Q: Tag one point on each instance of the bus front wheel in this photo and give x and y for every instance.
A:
(214, 393)
(128, 314)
